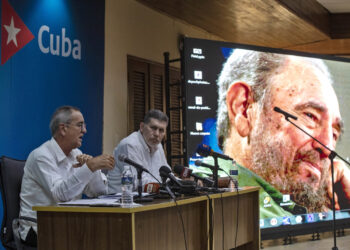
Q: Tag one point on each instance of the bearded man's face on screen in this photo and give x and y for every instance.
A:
(280, 153)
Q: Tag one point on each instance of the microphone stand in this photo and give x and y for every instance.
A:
(216, 176)
(215, 172)
(331, 156)
(172, 195)
(140, 198)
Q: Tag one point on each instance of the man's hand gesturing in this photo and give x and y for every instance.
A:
(101, 162)
(82, 159)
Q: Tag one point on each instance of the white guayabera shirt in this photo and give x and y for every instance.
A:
(49, 178)
(136, 149)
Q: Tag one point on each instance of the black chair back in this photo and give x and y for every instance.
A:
(11, 173)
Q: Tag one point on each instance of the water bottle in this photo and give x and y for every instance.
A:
(127, 186)
(234, 176)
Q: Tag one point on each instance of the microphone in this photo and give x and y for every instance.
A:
(205, 150)
(183, 188)
(185, 172)
(125, 159)
(286, 115)
(152, 188)
(164, 171)
(172, 195)
(200, 163)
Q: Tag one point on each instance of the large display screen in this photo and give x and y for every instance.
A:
(231, 93)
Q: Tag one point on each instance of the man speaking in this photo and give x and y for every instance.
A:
(57, 171)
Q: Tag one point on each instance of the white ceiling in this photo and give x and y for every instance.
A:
(336, 6)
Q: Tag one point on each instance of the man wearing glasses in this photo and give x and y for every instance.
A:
(57, 171)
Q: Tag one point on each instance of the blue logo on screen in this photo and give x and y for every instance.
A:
(286, 221)
(310, 218)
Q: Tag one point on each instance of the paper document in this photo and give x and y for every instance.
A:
(92, 202)
(119, 195)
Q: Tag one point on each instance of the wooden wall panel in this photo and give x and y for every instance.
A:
(338, 47)
(340, 26)
(72, 231)
(265, 23)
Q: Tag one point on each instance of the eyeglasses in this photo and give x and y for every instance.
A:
(81, 125)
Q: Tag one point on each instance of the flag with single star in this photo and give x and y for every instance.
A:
(14, 33)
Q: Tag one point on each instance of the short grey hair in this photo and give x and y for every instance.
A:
(61, 115)
(253, 68)
(155, 114)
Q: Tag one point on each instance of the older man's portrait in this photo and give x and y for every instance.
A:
(272, 153)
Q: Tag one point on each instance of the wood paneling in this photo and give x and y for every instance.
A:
(310, 11)
(138, 92)
(264, 22)
(338, 47)
(301, 24)
(225, 233)
(154, 226)
(157, 87)
(71, 231)
(340, 26)
(167, 233)
(146, 90)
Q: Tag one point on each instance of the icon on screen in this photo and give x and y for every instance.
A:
(310, 218)
(197, 51)
(286, 221)
(286, 197)
(199, 126)
(199, 100)
(298, 219)
(267, 201)
(322, 216)
(198, 75)
(273, 221)
(261, 222)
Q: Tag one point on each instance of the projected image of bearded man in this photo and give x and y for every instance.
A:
(272, 152)
(291, 170)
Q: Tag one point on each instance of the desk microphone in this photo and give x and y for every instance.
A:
(185, 172)
(165, 172)
(125, 159)
(183, 187)
(200, 163)
(205, 150)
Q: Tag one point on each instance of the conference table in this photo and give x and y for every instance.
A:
(206, 222)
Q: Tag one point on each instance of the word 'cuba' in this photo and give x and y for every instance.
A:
(62, 47)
